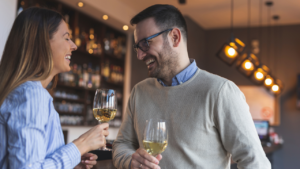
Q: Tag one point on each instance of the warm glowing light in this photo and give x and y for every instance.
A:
(125, 27)
(230, 52)
(105, 17)
(275, 88)
(22, 3)
(268, 81)
(259, 75)
(248, 65)
(239, 42)
(95, 45)
(92, 36)
(91, 51)
(80, 4)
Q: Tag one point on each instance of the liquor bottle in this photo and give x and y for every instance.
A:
(90, 44)
(97, 77)
(80, 83)
(90, 72)
(76, 76)
(77, 39)
(85, 75)
(105, 70)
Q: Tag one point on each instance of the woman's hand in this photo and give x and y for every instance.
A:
(92, 139)
(88, 160)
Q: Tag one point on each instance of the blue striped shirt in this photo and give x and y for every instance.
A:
(184, 75)
(30, 131)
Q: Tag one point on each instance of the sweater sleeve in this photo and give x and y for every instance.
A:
(126, 142)
(26, 123)
(236, 128)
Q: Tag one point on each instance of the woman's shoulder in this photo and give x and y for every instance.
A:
(30, 88)
(28, 92)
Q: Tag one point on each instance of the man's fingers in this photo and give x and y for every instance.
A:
(143, 153)
(159, 157)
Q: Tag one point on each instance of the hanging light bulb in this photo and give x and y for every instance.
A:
(260, 74)
(269, 81)
(247, 64)
(232, 50)
(277, 87)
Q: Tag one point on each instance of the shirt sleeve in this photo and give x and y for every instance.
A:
(126, 142)
(27, 141)
(237, 130)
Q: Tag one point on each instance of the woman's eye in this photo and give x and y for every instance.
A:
(67, 39)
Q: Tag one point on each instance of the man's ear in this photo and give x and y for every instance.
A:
(175, 37)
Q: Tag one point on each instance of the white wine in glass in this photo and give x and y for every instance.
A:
(155, 136)
(105, 106)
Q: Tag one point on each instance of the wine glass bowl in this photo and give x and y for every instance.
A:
(155, 136)
(105, 105)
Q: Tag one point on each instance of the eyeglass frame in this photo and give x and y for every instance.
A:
(137, 46)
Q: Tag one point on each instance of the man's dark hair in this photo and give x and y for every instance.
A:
(165, 17)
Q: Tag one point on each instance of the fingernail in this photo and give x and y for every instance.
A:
(86, 161)
(91, 158)
(156, 161)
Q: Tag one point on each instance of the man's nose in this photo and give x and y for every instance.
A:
(140, 54)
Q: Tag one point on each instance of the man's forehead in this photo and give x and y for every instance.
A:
(145, 29)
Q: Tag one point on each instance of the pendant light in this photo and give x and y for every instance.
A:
(277, 87)
(262, 70)
(232, 50)
(248, 63)
(269, 81)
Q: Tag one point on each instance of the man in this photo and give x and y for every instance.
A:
(208, 119)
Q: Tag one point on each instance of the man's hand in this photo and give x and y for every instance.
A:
(88, 160)
(141, 159)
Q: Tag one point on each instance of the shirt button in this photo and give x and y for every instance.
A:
(180, 82)
(29, 165)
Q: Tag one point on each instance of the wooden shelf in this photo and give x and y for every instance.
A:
(75, 87)
(71, 100)
(70, 113)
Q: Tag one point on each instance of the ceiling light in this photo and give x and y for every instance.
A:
(260, 74)
(105, 17)
(125, 27)
(80, 4)
(232, 50)
(277, 87)
(247, 63)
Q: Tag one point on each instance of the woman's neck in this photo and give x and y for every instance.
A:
(47, 81)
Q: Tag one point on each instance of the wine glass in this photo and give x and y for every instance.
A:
(155, 136)
(105, 106)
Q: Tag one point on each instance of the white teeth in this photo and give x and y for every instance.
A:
(68, 57)
(149, 61)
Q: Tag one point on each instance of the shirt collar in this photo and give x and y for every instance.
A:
(184, 75)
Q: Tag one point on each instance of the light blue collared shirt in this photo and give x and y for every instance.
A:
(184, 75)
(30, 131)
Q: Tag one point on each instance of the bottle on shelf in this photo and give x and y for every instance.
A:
(77, 38)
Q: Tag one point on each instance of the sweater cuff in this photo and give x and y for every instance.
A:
(73, 153)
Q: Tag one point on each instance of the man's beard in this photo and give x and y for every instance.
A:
(167, 63)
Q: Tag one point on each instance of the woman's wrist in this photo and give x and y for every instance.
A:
(81, 146)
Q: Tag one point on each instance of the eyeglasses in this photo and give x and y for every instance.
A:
(144, 43)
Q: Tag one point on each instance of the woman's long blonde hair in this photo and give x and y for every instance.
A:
(27, 53)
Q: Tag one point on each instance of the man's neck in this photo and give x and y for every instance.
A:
(183, 64)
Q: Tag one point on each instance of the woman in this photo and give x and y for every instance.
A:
(38, 48)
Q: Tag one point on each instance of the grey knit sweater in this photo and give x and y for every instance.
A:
(208, 124)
